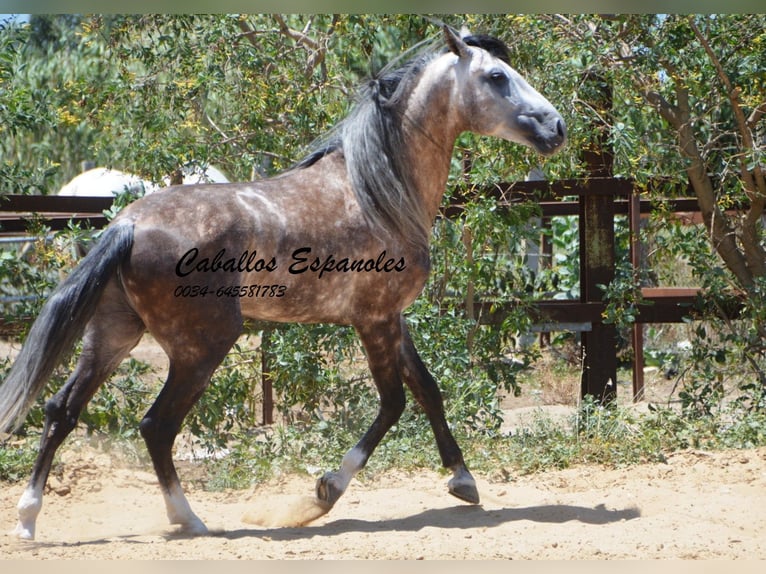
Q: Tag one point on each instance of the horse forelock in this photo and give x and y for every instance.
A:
(496, 47)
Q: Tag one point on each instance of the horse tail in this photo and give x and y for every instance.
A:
(61, 323)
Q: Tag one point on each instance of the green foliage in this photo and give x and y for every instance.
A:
(592, 434)
(479, 257)
(612, 436)
(563, 276)
(313, 368)
(119, 406)
(228, 406)
(15, 462)
(725, 359)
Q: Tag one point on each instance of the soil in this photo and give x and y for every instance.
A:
(697, 505)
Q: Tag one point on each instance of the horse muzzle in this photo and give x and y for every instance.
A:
(546, 133)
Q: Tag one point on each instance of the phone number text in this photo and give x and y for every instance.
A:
(262, 291)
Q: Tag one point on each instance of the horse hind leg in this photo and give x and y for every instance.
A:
(108, 339)
(380, 342)
(423, 386)
(191, 368)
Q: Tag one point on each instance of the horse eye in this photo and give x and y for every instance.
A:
(497, 77)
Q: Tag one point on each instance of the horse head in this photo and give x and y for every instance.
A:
(497, 101)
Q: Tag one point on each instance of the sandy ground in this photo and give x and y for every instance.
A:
(699, 505)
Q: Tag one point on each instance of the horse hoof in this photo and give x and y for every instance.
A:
(23, 532)
(467, 493)
(190, 525)
(464, 488)
(194, 528)
(326, 490)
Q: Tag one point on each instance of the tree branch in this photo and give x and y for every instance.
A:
(753, 183)
(756, 116)
(732, 91)
(247, 31)
(721, 232)
(299, 37)
(316, 49)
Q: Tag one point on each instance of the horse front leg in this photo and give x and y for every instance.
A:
(427, 393)
(381, 341)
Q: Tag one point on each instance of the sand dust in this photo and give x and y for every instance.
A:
(286, 511)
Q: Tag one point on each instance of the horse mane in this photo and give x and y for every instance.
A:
(372, 141)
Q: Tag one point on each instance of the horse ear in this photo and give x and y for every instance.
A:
(454, 43)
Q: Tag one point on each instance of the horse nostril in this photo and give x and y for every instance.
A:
(561, 128)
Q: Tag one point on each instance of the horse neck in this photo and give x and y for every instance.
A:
(431, 127)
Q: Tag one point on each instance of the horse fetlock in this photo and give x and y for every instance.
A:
(25, 528)
(329, 488)
(463, 486)
(29, 506)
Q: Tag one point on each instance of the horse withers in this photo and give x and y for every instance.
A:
(342, 238)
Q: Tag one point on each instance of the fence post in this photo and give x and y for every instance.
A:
(597, 257)
(637, 332)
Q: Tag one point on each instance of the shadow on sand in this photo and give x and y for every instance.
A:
(455, 517)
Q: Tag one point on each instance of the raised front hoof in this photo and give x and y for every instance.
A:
(326, 490)
(465, 491)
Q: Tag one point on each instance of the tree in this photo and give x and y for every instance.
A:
(713, 96)
(147, 93)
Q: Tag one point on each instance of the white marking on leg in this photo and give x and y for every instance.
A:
(29, 506)
(351, 464)
(180, 512)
